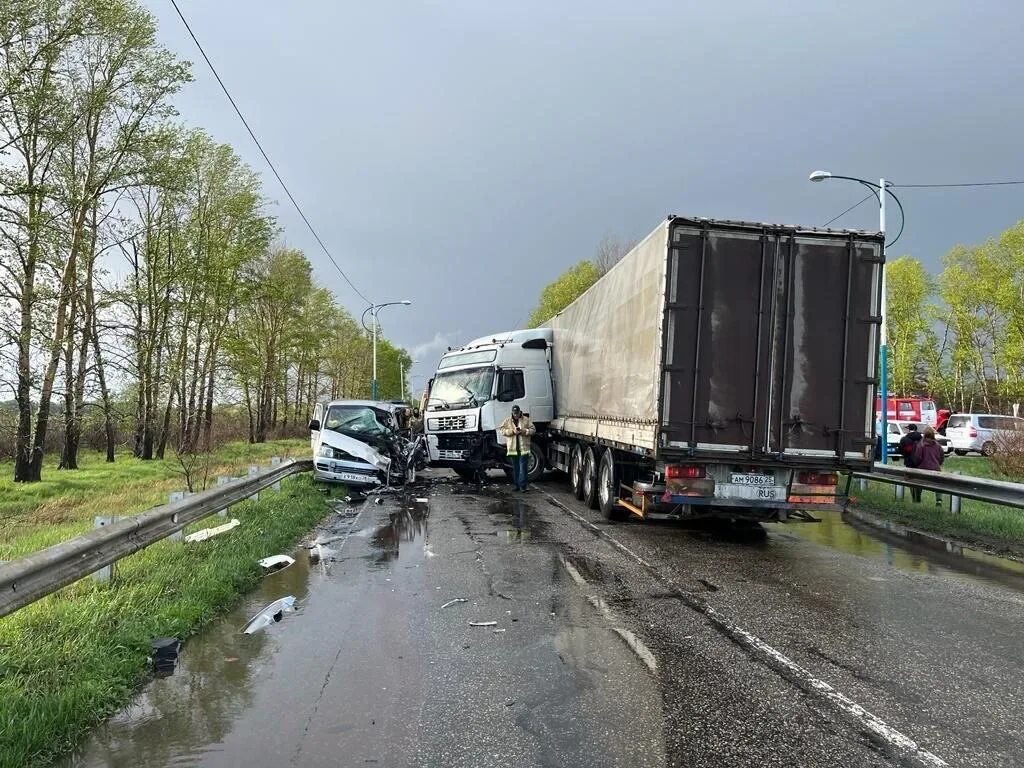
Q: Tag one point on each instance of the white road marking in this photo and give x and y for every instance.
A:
(789, 669)
(635, 643)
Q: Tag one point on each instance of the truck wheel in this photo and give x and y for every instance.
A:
(535, 464)
(576, 470)
(590, 478)
(469, 475)
(608, 487)
(988, 449)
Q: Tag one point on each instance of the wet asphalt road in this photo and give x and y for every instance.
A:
(628, 644)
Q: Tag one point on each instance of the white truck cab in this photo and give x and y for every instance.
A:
(473, 392)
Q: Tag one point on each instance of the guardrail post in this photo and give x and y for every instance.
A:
(862, 484)
(106, 573)
(275, 461)
(223, 480)
(899, 491)
(176, 496)
(254, 470)
(954, 502)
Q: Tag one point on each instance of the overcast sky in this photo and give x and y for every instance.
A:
(462, 153)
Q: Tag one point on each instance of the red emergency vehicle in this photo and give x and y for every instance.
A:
(917, 409)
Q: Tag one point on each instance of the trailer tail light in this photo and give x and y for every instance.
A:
(684, 471)
(818, 478)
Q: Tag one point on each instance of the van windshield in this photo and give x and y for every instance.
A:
(454, 389)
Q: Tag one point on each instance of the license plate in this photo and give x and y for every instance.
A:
(752, 492)
(352, 477)
(744, 478)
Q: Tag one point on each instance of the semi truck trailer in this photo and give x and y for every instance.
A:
(720, 368)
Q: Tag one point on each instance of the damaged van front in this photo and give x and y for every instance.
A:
(352, 443)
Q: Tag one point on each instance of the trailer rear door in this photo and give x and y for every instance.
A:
(769, 339)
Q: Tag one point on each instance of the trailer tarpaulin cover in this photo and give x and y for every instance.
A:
(607, 343)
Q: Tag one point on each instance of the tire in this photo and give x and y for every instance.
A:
(988, 448)
(536, 464)
(590, 462)
(576, 470)
(608, 487)
(959, 452)
(469, 475)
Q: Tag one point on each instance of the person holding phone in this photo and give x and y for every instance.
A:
(517, 430)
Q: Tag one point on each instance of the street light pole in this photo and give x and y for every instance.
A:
(373, 309)
(883, 340)
(881, 191)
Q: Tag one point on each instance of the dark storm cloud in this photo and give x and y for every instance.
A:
(462, 154)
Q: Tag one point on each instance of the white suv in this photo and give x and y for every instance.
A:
(979, 432)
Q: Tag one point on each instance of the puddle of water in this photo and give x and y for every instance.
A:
(171, 721)
(907, 551)
(401, 538)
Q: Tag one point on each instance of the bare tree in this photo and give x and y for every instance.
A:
(609, 252)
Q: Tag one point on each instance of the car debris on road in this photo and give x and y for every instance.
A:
(276, 563)
(270, 614)
(454, 601)
(483, 623)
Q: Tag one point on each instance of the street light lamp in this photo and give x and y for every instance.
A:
(401, 372)
(881, 191)
(373, 309)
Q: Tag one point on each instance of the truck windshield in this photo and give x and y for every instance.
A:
(461, 388)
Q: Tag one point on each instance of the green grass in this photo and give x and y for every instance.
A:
(64, 503)
(70, 660)
(989, 525)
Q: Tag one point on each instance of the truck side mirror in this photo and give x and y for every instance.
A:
(314, 425)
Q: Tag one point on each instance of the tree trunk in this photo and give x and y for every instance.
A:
(26, 469)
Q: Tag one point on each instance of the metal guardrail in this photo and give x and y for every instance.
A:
(27, 579)
(963, 486)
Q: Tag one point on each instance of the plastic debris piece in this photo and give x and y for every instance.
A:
(276, 563)
(454, 601)
(498, 631)
(378, 500)
(270, 614)
(483, 623)
(422, 500)
(208, 533)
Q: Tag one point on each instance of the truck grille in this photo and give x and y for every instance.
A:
(448, 423)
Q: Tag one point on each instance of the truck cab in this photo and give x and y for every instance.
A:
(473, 392)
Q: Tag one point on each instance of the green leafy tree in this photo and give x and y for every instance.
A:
(909, 290)
(563, 291)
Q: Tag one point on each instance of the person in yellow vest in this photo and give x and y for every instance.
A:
(517, 429)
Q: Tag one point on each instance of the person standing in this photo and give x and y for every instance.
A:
(517, 430)
(908, 443)
(929, 455)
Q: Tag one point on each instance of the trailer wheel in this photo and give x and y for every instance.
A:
(590, 478)
(607, 487)
(576, 470)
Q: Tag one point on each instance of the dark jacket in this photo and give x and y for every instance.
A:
(907, 445)
(929, 455)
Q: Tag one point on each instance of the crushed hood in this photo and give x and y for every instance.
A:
(356, 448)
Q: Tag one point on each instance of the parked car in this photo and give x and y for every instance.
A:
(904, 428)
(359, 443)
(979, 432)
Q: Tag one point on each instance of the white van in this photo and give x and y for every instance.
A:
(979, 432)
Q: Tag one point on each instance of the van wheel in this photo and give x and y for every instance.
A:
(988, 448)
(958, 452)
(590, 478)
(607, 487)
(576, 470)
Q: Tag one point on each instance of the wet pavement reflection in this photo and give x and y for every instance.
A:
(905, 550)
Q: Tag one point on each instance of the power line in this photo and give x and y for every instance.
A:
(855, 205)
(263, 152)
(965, 184)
